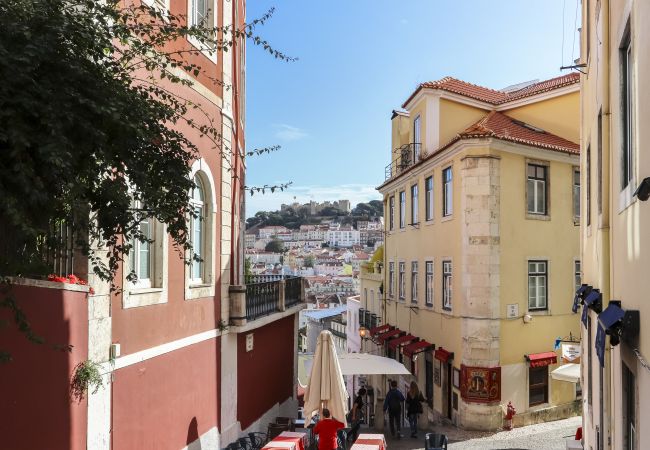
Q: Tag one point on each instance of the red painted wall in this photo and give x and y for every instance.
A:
(168, 401)
(36, 411)
(265, 374)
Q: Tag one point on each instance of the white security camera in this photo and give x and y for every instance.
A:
(643, 191)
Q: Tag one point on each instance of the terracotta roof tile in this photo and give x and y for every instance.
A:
(500, 126)
(493, 96)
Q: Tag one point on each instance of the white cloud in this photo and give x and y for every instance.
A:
(356, 193)
(289, 133)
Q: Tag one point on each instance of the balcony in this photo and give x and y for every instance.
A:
(407, 156)
(263, 298)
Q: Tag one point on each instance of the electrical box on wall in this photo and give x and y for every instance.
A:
(114, 351)
(249, 342)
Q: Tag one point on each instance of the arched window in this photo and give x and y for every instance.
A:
(198, 231)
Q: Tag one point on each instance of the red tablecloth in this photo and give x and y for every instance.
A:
(372, 439)
(286, 438)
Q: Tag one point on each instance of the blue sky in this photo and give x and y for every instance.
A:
(359, 60)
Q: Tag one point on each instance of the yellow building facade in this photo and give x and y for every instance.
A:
(615, 248)
(482, 247)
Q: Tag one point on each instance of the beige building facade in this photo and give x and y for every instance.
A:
(482, 246)
(615, 252)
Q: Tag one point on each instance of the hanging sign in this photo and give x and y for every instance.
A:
(571, 353)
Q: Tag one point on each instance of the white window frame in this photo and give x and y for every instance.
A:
(402, 209)
(212, 12)
(417, 138)
(414, 282)
(428, 198)
(577, 273)
(135, 256)
(205, 287)
(391, 279)
(391, 212)
(576, 194)
(535, 275)
(447, 285)
(429, 287)
(627, 166)
(414, 204)
(537, 188)
(151, 291)
(447, 192)
(402, 280)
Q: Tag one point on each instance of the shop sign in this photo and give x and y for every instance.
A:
(571, 353)
(480, 384)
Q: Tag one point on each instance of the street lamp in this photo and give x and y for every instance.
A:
(363, 331)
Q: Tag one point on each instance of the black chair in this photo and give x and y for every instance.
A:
(342, 440)
(434, 441)
(245, 443)
(233, 446)
(285, 421)
(275, 429)
(257, 440)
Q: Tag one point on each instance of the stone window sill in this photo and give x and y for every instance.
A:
(135, 298)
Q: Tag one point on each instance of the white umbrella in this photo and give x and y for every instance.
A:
(326, 388)
(567, 372)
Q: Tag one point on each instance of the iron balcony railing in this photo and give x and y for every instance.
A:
(268, 297)
(292, 291)
(407, 156)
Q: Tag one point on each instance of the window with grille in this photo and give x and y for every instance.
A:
(537, 385)
(446, 285)
(429, 283)
(536, 189)
(428, 198)
(537, 284)
(577, 274)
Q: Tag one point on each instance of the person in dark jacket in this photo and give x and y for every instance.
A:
(414, 401)
(393, 404)
(356, 415)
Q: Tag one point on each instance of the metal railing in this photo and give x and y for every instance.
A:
(252, 279)
(292, 291)
(262, 299)
(407, 156)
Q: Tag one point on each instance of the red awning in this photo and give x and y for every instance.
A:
(443, 355)
(383, 337)
(415, 347)
(379, 329)
(542, 359)
(401, 340)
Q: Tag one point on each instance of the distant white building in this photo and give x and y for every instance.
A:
(270, 231)
(264, 257)
(343, 237)
(249, 240)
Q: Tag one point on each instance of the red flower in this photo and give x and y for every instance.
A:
(91, 291)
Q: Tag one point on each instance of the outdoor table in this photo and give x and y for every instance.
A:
(377, 440)
(356, 446)
(282, 444)
(302, 439)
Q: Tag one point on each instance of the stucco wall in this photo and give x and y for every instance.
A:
(37, 411)
(265, 375)
(168, 401)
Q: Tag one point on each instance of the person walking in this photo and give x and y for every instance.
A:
(356, 415)
(414, 401)
(326, 430)
(393, 404)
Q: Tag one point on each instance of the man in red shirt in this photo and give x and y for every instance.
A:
(326, 430)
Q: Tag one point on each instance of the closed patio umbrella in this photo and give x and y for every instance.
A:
(326, 388)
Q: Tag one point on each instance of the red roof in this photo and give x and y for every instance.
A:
(383, 337)
(493, 96)
(500, 126)
(542, 359)
(415, 347)
(401, 340)
(443, 355)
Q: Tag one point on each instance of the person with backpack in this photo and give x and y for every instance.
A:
(393, 404)
(356, 415)
(414, 401)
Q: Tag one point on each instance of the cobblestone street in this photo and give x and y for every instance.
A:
(543, 436)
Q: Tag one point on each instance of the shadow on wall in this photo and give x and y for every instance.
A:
(35, 385)
(193, 442)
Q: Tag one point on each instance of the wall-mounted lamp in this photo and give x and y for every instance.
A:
(363, 332)
(643, 191)
(528, 318)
